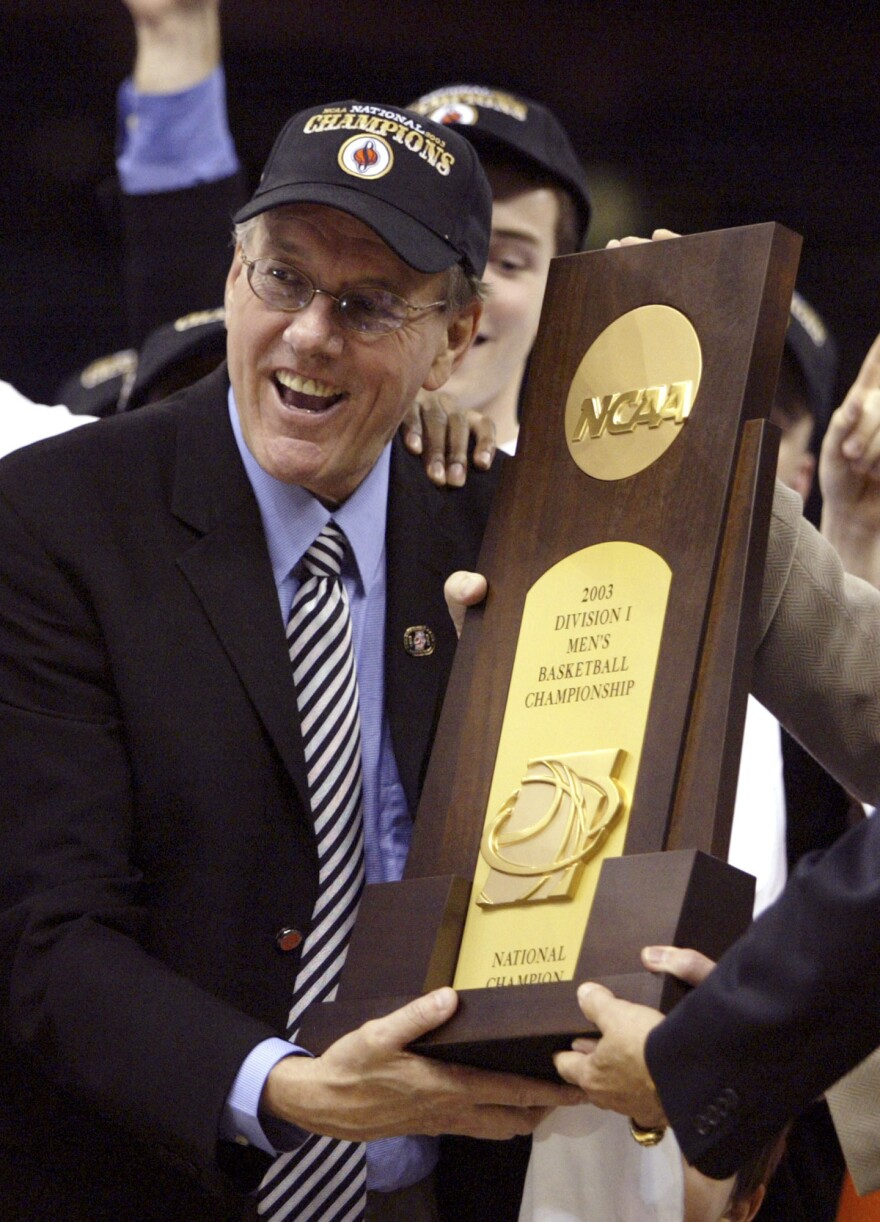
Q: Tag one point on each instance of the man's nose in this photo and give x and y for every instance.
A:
(316, 327)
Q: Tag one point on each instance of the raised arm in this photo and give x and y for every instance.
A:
(178, 168)
(849, 474)
(178, 43)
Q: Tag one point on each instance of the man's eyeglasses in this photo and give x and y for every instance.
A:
(366, 309)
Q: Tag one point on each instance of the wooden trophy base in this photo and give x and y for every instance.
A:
(682, 898)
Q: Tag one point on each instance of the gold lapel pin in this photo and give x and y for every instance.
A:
(418, 641)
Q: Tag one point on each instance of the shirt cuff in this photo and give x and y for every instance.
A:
(240, 1121)
(170, 141)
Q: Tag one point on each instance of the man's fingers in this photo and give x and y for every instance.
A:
(411, 429)
(842, 424)
(437, 429)
(869, 374)
(498, 1123)
(485, 1088)
(483, 430)
(401, 1027)
(438, 419)
(631, 240)
(659, 235)
(861, 443)
(853, 433)
(594, 1000)
(457, 437)
(688, 965)
(463, 590)
(574, 1068)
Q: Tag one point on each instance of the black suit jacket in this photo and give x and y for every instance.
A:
(794, 1004)
(155, 832)
(789, 1009)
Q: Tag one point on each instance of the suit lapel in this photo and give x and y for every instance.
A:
(419, 558)
(228, 566)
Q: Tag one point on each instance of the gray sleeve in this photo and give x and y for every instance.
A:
(817, 668)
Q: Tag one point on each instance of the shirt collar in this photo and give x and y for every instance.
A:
(293, 518)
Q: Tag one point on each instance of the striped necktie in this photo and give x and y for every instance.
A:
(324, 1179)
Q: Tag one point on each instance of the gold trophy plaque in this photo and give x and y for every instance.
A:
(582, 780)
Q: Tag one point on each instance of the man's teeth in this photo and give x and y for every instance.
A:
(307, 386)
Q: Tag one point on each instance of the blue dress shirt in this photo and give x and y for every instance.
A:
(168, 141)
(292, 519)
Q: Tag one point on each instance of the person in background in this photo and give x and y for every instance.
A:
(540, 208)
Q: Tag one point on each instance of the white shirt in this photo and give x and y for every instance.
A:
(757, 837)
(22, 421)
(585, 1167)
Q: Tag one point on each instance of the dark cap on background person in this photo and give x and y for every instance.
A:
(513, 128)
(95, 390)
(814, 350)
(174, 356)
(171, 357)
(418, 184)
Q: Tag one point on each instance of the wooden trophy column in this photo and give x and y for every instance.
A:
(582, 779)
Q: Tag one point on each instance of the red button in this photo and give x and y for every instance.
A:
(288, 939)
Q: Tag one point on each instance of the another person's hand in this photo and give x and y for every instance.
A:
(611, 1070)
(659, 235)
(688, 965)
(177, 43)
(155, 10)
(440, 431)
(849, 471)
(462, 590)
(368, 1085)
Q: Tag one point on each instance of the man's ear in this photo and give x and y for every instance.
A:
(461, 331)
(235, 270)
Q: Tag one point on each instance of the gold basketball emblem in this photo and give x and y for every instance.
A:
(537, 845)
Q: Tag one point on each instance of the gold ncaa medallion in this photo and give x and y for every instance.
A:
(633, 392)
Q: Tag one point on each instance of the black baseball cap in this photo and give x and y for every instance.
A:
(174, 355)
(514, 127)
(814, 350)
(95, 390)
(418, 184)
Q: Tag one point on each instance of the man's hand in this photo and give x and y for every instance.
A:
(178, 43)
(367, 1085)
(462, 590)
(849, 473)
(688, 965)
(156, 10)
(659, 235)
(611, 1071)
(440, 431)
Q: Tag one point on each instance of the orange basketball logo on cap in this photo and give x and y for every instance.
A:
(455, 112)
(366, 156)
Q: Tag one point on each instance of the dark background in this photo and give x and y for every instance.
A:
(692, 117)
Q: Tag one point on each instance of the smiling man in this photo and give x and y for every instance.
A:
(191, 802)
(301, 426)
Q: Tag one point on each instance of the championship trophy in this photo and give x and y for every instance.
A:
(580, 792)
